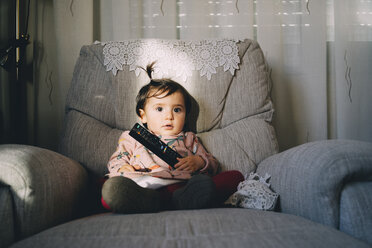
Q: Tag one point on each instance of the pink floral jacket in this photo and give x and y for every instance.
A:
(129, 151)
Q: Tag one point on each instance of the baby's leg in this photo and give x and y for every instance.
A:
(123, 195)
(199, 192)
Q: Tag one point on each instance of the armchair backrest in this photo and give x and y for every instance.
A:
(231, 113)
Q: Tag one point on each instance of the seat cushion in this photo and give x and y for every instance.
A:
(224, 227)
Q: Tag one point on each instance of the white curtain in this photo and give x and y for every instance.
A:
(319, 54)
(58, 29)
(351, 83)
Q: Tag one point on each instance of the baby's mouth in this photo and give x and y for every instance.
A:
(169, 126)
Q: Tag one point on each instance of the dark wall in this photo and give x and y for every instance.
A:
(13, 116)
(7, 33)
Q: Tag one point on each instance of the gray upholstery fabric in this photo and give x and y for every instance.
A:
(200, 228)
(238, 145)
(231, 114)
(7, 233)
(311, 177)
(356, 210)
(249, 92)
(89, 141)
(45, 187)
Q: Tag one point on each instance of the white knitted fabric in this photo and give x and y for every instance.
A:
(173, 57)
(254, 193)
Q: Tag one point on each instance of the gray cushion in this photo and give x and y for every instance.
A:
(310, 178)
(45, 188)
(356, 210)
(199, 228)
(241, 145)
(89, 141)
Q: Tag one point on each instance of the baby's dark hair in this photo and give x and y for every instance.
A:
(156, 87)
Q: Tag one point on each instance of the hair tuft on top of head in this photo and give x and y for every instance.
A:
(149, 69)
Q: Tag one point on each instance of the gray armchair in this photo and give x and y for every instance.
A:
(50, 200)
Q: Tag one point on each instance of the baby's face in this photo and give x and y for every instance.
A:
(165, 115)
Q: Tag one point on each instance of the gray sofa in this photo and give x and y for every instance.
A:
(51, 200)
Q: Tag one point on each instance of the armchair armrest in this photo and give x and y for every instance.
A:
(310, 177)
(46, 188)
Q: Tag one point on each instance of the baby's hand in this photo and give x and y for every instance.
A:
(190, 163)
(126, 168)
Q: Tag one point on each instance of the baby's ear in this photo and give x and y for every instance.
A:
(142, 116)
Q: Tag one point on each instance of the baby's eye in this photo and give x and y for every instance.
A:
(177, 110)
(159, 109)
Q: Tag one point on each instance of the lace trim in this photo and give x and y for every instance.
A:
(254, 193)
(179, 57)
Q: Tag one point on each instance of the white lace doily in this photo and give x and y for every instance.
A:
(254, 193)
(172, 56)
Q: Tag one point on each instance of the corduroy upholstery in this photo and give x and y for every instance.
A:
(326, 181)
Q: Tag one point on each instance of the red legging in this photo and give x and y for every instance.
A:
(226, 184)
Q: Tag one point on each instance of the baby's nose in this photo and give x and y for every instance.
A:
(169, 115)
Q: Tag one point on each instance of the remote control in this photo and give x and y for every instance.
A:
(154, 144)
